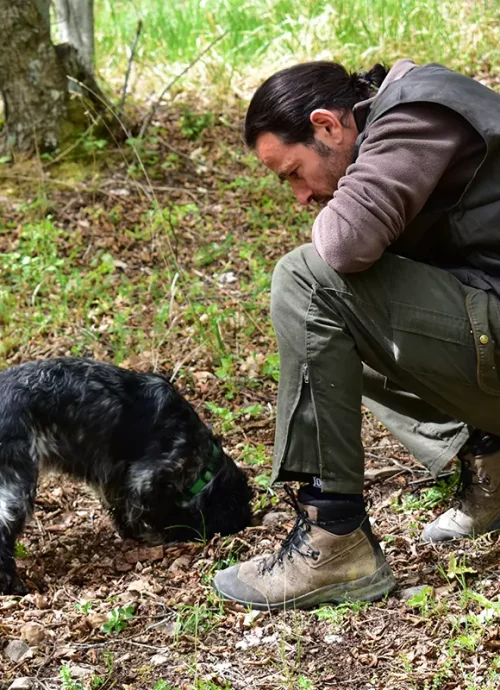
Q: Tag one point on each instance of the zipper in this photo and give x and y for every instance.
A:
(305, 373)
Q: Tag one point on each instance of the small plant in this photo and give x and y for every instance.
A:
(195, 620)
(254, 455)
(336, 615)
(427, 499)
(117, 619)
(457, 569)
(67, 681)
(228, 417)
(84, 607)
(468, 641)
(265, 499)
(20, 551)
(192, 124)
(162, 685)
(263, 479)
(91, 144)
(423, 600)
(272, 366)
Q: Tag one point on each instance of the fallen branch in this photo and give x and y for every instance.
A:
(129, 66)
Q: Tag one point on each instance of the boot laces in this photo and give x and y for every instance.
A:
(471, 474)
(295, 540)
(466, 478)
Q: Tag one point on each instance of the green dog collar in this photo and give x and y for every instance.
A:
(206, 476)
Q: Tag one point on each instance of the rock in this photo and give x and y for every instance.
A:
(180, 564)
(97, 619)
(131, 556)
(151, 553)
(274, 518)
(81, 671)
(122, 566)
(333, 639)
(226, 278)
(159, 659)
(16, 649)
(33, 633)
(25, 683)
(409, 592)
(141, 585)
(250, 618)
(146, 553)
(41, 601)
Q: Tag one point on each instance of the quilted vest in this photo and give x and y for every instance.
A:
(465, 230)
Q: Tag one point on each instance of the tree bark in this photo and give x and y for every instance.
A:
(35, 77)
(44, 9)
(32, 80)
(75, 19)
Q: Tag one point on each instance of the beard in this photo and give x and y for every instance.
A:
(335, 167)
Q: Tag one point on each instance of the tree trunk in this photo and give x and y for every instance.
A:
(32, 79)
(75, 22)
(44, 9)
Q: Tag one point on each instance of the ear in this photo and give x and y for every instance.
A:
(327, 126)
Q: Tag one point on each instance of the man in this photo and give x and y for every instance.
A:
(395, 302)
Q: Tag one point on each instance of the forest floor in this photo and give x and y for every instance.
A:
(163, 261)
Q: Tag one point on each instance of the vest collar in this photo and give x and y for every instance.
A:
(361, 110)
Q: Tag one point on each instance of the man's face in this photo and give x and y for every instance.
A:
(313, 170)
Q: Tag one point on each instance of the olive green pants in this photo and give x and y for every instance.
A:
(410, 341)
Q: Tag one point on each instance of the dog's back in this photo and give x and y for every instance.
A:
(71, 409)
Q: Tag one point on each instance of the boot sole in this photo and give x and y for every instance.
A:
(369, 588)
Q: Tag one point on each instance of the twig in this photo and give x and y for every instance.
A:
(129, 66)
(151, 114)
(386, 458)
(428, 480)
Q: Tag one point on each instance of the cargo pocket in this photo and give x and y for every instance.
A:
(478, 308)
(432, 344)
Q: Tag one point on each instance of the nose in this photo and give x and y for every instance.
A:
(303, 194)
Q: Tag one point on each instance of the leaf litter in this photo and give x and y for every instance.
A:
(171, 272)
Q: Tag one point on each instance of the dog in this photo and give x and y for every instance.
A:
(158, 469)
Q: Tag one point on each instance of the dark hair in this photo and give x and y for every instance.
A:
(283, 103)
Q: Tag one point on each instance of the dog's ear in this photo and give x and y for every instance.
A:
(147, 479)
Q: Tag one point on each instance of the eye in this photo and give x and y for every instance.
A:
(293, 175)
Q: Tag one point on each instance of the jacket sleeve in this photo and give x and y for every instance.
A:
(401, 161)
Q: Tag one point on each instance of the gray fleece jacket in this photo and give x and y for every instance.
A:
(409, 153)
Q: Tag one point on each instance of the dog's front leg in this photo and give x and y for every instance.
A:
(9, 530)
(18, 479)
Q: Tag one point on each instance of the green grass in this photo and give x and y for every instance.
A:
(139, 282)
(263, 34)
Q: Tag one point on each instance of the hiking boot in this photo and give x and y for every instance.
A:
(478, 509)
(313, 565)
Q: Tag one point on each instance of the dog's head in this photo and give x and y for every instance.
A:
(222, 506)
(215, 500)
